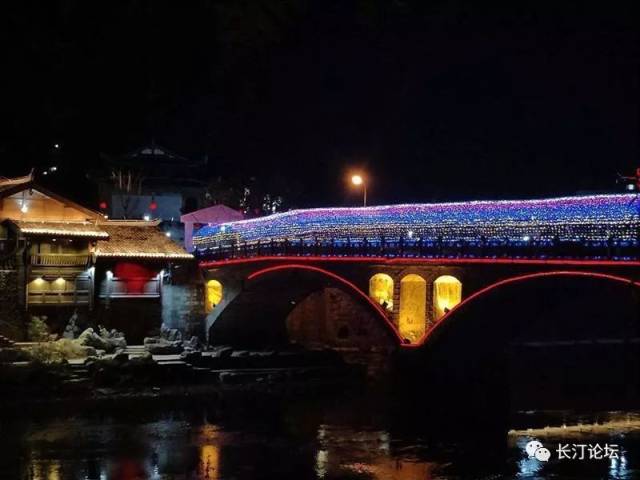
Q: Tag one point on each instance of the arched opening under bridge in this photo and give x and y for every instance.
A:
(552, 340)
(305, 306)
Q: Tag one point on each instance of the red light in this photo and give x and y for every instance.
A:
(153, 205)
(103, 205)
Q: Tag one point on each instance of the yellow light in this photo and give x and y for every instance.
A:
(412, 320)
(357, 180)
(447, 293)
(210, 461)
(214, 294)
(381, 290)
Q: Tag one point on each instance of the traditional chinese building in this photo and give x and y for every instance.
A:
(152, 182)
(58, 258)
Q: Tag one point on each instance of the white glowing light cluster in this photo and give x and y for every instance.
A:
(584, 218)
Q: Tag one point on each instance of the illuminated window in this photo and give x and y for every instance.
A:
(413, 307)
(447, 293)
(213, 294)
(381, 290)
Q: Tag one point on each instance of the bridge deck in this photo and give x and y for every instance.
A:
(597, 227)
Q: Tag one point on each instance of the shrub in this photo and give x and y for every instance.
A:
(38, 330)
(58, 351)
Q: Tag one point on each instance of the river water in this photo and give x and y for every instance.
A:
(335, 436)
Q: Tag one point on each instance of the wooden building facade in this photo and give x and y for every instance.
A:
(58, 258)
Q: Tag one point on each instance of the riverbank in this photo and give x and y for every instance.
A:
(145, 378)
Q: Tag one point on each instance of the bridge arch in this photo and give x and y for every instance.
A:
(450, 317)
(279, 302)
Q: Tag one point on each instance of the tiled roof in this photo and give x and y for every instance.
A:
(215, 214)
(11, 183)
(137, 239)
(63, 229)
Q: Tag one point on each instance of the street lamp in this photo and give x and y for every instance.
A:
(358, 180)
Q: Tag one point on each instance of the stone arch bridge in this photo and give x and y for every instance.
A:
(394, 276)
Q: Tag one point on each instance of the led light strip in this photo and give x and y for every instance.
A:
(584, 218)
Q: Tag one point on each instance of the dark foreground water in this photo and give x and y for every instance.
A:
(327, 437)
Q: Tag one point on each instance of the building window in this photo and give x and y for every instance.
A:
(413, 307)
(213, 294)
(447, 293)
(381, 290)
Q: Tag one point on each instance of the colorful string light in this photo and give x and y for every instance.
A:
(579, 218)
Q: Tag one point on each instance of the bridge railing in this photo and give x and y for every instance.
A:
(417, 248)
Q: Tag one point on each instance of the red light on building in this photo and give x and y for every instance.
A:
(103, 205)
(153, 205)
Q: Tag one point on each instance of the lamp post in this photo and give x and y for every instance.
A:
(358, 180)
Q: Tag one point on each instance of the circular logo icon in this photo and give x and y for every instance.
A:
(543, 454)
(532, 446)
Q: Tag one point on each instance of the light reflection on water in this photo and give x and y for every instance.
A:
(176, 445)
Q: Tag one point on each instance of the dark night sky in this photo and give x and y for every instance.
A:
(437, 100)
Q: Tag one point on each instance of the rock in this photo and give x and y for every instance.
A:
(89, 351)
(107, 341)
(193, 343)
(222, 352)
(90, 338)
(191, 357)
(239, 354)
(161, 346)
(121, 357)
(145, 357)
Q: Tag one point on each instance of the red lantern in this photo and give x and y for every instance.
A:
(103, 205)
(153, 205)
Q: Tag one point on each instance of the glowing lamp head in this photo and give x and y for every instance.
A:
(153, 205)
(24, 208)
(146, 217)
(357, 180)
(103, 205)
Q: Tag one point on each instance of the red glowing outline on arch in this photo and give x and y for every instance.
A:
(507, 281)
(339, 279)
